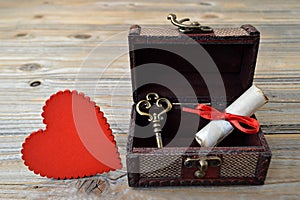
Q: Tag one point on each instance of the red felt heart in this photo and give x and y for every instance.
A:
(77, 141)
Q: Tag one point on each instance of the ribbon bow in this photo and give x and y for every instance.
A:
(211, 113)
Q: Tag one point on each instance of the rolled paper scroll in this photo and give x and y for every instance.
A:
(216, 130)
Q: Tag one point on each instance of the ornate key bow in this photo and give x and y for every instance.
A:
(155, 118)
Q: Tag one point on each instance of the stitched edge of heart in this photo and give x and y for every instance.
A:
(99, 113)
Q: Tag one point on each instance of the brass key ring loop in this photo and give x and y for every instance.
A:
(148, 106)
(159, 103)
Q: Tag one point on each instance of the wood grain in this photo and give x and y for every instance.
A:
(46, 46)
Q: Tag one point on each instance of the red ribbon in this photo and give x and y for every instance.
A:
(211, 113)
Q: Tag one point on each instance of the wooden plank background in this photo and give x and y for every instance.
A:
(46, 46)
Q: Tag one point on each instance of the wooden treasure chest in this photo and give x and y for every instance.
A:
(173, 68)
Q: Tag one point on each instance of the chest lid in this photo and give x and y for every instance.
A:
(192, 67)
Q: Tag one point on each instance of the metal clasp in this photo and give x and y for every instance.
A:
(188, 27)
(202, 164)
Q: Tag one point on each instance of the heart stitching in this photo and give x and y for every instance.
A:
(77, 141)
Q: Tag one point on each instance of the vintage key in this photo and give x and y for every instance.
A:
(155, 118)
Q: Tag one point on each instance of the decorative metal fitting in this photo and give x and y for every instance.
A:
(202, 164)
(192, 27)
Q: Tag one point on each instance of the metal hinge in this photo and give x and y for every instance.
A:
(202, 164)
(192, 27)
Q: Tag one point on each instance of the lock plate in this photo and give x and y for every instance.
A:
(202, 163)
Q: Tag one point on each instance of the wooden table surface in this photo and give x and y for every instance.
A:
(46, 46)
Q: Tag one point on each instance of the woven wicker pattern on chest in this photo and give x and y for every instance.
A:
(160, 166)
(239, 165)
